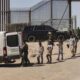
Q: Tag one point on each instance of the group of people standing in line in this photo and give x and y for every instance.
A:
(41, 51)
(72, 45)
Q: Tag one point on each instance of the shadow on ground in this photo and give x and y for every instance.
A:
(19, 65)
(70, 58)
(37, 65)
(77, 56)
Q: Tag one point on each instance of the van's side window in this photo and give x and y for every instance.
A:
(12, 40)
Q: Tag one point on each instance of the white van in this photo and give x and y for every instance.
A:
(10, 44)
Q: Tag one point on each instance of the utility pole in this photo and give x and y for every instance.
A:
(30, 17)
(69, 3)
(75, 24)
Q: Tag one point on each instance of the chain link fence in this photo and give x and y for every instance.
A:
(49, 12)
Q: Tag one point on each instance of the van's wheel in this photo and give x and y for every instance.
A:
(31, 38)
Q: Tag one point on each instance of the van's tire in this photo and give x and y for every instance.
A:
(31, 38)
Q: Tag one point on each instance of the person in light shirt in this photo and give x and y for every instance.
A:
(49, 51)
(40, 53)
(73, 45)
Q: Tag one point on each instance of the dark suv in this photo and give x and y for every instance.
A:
(40, 32)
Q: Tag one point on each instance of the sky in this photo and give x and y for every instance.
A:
(21, 4)
(76, 11)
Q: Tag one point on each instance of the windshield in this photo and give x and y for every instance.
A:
(12, 40)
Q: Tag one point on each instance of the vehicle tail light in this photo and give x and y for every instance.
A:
(4, 51)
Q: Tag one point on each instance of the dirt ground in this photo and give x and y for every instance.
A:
(69, 69)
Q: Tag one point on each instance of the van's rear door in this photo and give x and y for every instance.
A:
(12, 44)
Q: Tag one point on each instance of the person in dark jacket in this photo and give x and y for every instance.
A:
(25, 59)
